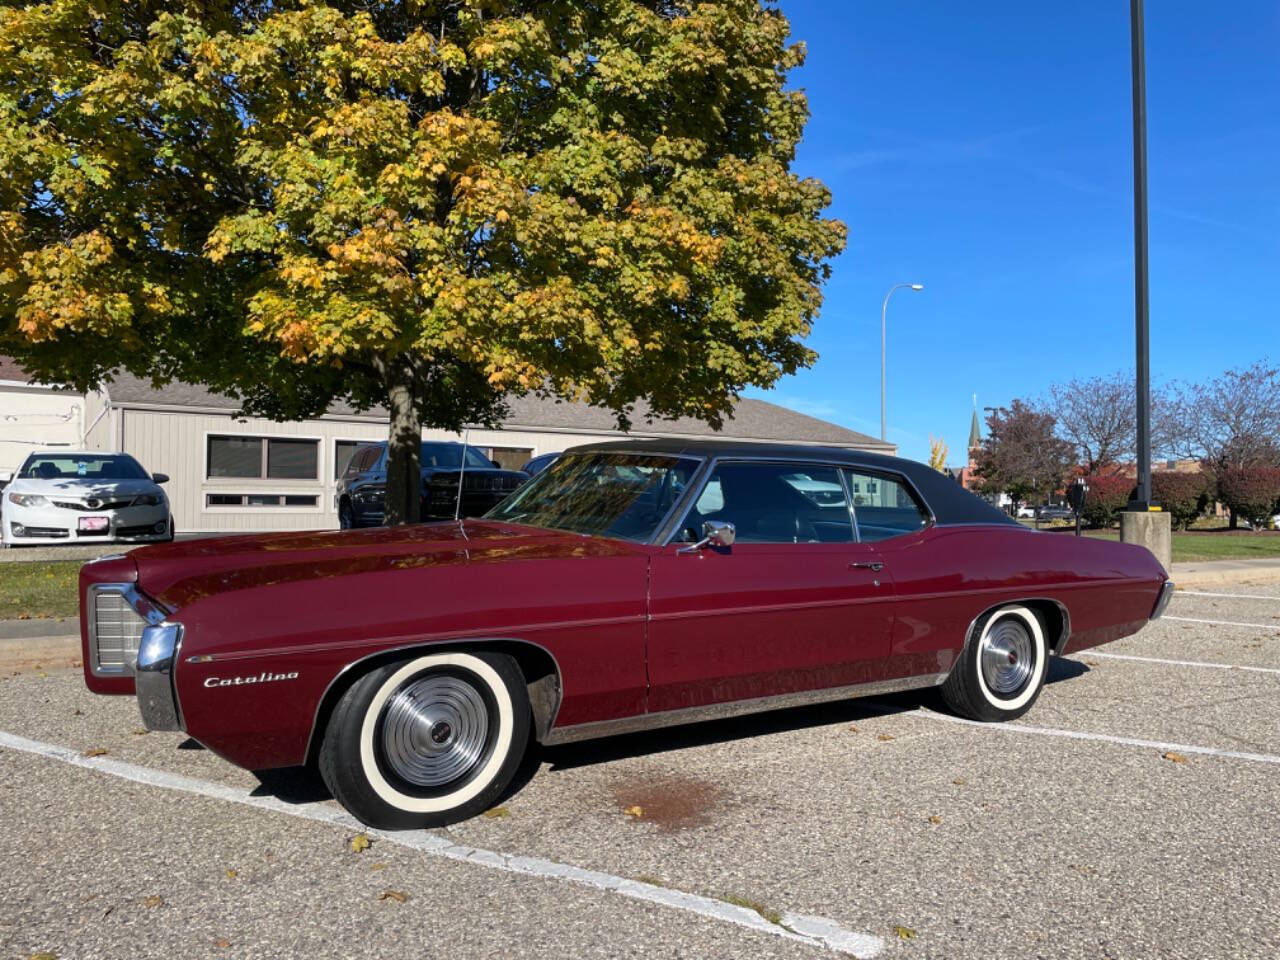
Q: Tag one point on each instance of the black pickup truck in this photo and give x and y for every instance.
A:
(484, 484)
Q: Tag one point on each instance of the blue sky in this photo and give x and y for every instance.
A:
(984, 150)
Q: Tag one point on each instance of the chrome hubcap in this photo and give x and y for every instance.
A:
(1007, 657)
(434, 730)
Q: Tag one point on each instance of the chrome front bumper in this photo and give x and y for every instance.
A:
(153, 681)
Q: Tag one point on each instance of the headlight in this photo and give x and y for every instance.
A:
(28, 500)
(146, 500)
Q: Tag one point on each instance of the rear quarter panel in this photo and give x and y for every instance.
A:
(948, 576)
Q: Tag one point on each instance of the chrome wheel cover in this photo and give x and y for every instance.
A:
(1007, 657)
(434, 730)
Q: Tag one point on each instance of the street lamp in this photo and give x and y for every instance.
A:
(883, 311)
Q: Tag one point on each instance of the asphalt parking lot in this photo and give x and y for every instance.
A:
(1131, 814)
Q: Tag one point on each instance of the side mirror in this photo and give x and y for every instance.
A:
(715, 533)
(160, 477)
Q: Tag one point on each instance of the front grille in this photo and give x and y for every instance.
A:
(102, 505)
(117, 632)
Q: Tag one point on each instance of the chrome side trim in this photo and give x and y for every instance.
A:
(316, 732)
(153, 680)
(736, 708)
(143, 606)
(1055, 649)
(1162, 601)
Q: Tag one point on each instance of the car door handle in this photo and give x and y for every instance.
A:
(875, 565)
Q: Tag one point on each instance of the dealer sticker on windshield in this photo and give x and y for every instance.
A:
(93, 524)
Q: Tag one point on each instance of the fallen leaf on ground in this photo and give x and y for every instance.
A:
(853, 728)
(24, 615)
(884, 736)
(360, 843)
(959, 781)
(140, 731)
(1175, 757)
(395, 895)
(636, 812)
(41, 674)
(77, 712)
(935, 819)
(95, 752)
(155, 900)
(222, 943)
(379, 866)
(44, 956)
(904, 933)
(1091, 663)
(494, 813)
(231, 874)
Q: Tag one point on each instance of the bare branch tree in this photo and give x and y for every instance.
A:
(1231, 421)
(1098, 417)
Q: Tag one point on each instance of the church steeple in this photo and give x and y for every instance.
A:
(975, 431)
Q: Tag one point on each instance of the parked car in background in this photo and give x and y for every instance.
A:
(1026, 511)
(540, 463)
(634, 585)
(1052, 511)
(484, 484)
(78, 496)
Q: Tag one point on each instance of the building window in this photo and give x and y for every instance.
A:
(342, 452)
(261, 500)
(510, 458)
(263, 458)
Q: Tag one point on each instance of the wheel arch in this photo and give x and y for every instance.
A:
(1054, 615)
(540, 669)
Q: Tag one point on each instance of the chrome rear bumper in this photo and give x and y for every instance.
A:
(1162, 601)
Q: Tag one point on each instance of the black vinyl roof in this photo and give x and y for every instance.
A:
(951, 503)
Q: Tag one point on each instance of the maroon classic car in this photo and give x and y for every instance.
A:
(631, 585)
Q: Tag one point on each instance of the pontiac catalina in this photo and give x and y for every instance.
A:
(631, 585)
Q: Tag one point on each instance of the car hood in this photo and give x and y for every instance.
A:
(76, 488)
(178, 574)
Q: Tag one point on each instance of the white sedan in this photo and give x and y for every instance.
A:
(70, 496)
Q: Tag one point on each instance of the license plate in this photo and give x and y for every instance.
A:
(94, 524)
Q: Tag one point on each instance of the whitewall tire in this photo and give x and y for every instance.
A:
(1001, 670)
(427, 741)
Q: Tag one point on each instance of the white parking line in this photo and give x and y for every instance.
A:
(813, 931)
(1224, 623)
(1178, 663)
(1103, 738)
(1231, 596)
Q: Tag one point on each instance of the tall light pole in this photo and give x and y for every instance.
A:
(1142, 309)
(884, 310)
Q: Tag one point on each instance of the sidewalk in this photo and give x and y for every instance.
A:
(1262, 570)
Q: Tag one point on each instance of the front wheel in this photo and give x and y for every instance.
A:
(1001, 670)
(427, 741)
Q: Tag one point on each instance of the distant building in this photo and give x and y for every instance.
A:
(229, 472)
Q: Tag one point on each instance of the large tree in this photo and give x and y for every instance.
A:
(425, 205)
(1021, 455)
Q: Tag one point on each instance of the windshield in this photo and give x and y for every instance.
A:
(448, 455)
(623, 495)
(47, 466)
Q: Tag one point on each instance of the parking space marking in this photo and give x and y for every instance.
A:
(803, 928)
(1224, 623)
(1103, 738)
(1178, 663)
(1230, 596)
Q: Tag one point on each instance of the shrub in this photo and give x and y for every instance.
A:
(1250, 492)
(1184, 496)
(1107, 496)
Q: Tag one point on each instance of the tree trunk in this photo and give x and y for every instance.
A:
(403, 498)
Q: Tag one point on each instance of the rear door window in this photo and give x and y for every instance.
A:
(884, 507)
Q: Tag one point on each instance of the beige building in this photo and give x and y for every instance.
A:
(34, 416)
(229, 472)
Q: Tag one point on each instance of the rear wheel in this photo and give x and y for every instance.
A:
(427, 741)
(1001, 670)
